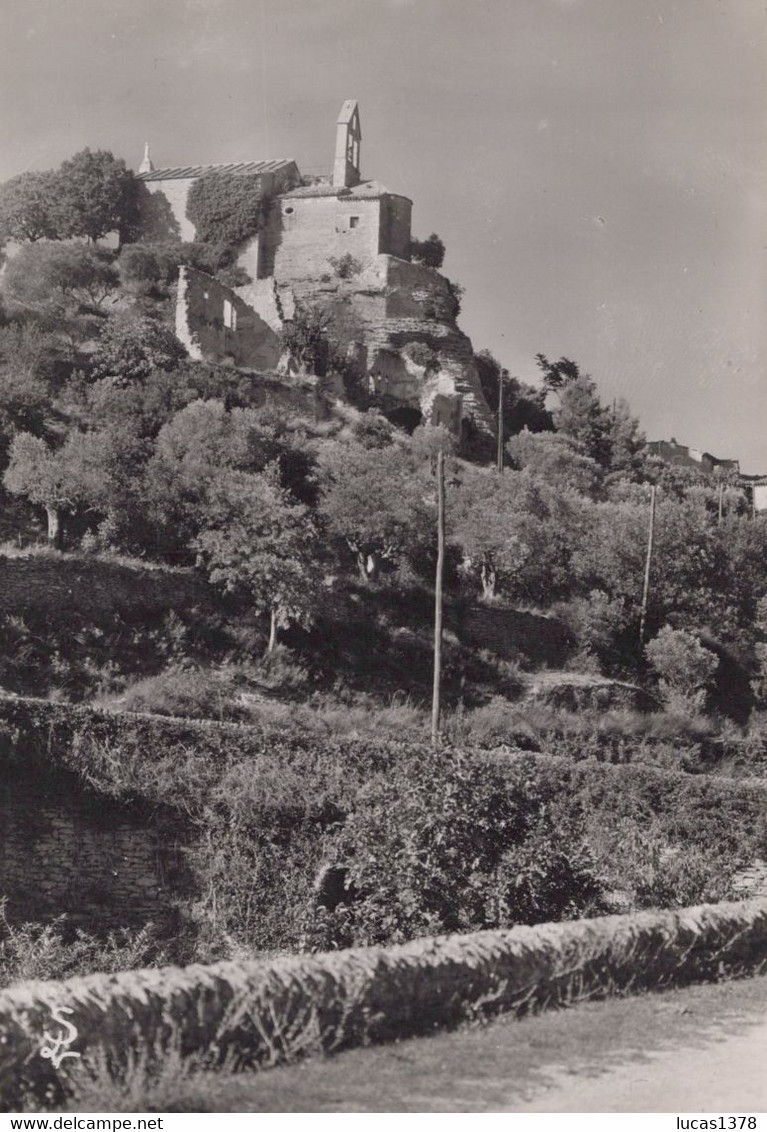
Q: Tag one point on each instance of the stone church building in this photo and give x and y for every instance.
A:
(341, 241)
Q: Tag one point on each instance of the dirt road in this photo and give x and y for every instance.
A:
(728, 1076)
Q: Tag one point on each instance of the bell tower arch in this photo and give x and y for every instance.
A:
(346, 167)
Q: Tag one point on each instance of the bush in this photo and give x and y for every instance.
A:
(58, 951)
(132, 348)
(429, 252)
(443, 845)
(345, 266)
(190, 693)
(685, 667)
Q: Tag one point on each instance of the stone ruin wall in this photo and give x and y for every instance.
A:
(201, 325)
(64, 850)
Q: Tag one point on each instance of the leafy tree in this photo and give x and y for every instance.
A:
(28, 206)
(514, 534)
(27, 356)
(97, 194)
(689, 574)
(257, 541)
(59, 279)
(132, 348)
(58, 480)
(226, 208)
(557, 459)
(429, 252)
(378, 501)
(306, 338)
(556, 375)
(192, 450)
(523, 405)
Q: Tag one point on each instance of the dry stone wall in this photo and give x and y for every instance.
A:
(65, 850)
(260, 1013)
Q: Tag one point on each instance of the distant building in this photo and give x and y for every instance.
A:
(683, 457)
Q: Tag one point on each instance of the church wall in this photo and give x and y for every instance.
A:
(176, 192)
(302, 234)
(395, 226)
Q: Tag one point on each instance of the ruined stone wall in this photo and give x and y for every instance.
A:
(302, 234)
(201, 324)
(65, 850)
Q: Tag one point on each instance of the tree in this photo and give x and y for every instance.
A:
(97, 194)
(557, 459)
(684, 666)
(258, 542)
(59, 279)
(556, 375)
(379, 501)
(226, 208)
(429, 252)
(28, 208)
(523, 404)
(132, 348)
(58, 480)
(514, 534)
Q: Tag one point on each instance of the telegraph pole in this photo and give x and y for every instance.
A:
(436, 694)
(648, 564)
(499, 451)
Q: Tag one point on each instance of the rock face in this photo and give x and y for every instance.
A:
(396, 322)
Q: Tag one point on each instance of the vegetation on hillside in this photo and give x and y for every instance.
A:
(304, 552)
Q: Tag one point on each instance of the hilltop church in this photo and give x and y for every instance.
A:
(403, 338)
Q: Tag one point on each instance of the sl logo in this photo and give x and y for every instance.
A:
(55, 1049)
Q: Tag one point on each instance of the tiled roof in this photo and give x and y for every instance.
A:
(367, 190)
(237, 168)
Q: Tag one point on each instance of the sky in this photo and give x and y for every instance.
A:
(596, 168)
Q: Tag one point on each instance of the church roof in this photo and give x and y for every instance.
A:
(366, 190)
(235, 168)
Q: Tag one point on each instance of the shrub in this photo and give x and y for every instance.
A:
(429, 252)
(186, 692)
(685, 668)
(58, 951)
(442, 844)
(345, 266)
(133, 347)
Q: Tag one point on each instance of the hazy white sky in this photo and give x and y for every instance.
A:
(595, 167)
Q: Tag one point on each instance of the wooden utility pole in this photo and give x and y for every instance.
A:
(437, 691)
(648, 564)
(499, 450)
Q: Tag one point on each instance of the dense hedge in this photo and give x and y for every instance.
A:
(272, 811)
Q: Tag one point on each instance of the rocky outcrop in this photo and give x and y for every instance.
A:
(397, 320)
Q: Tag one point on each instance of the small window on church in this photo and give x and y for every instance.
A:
(353, 221)
(230, 316)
